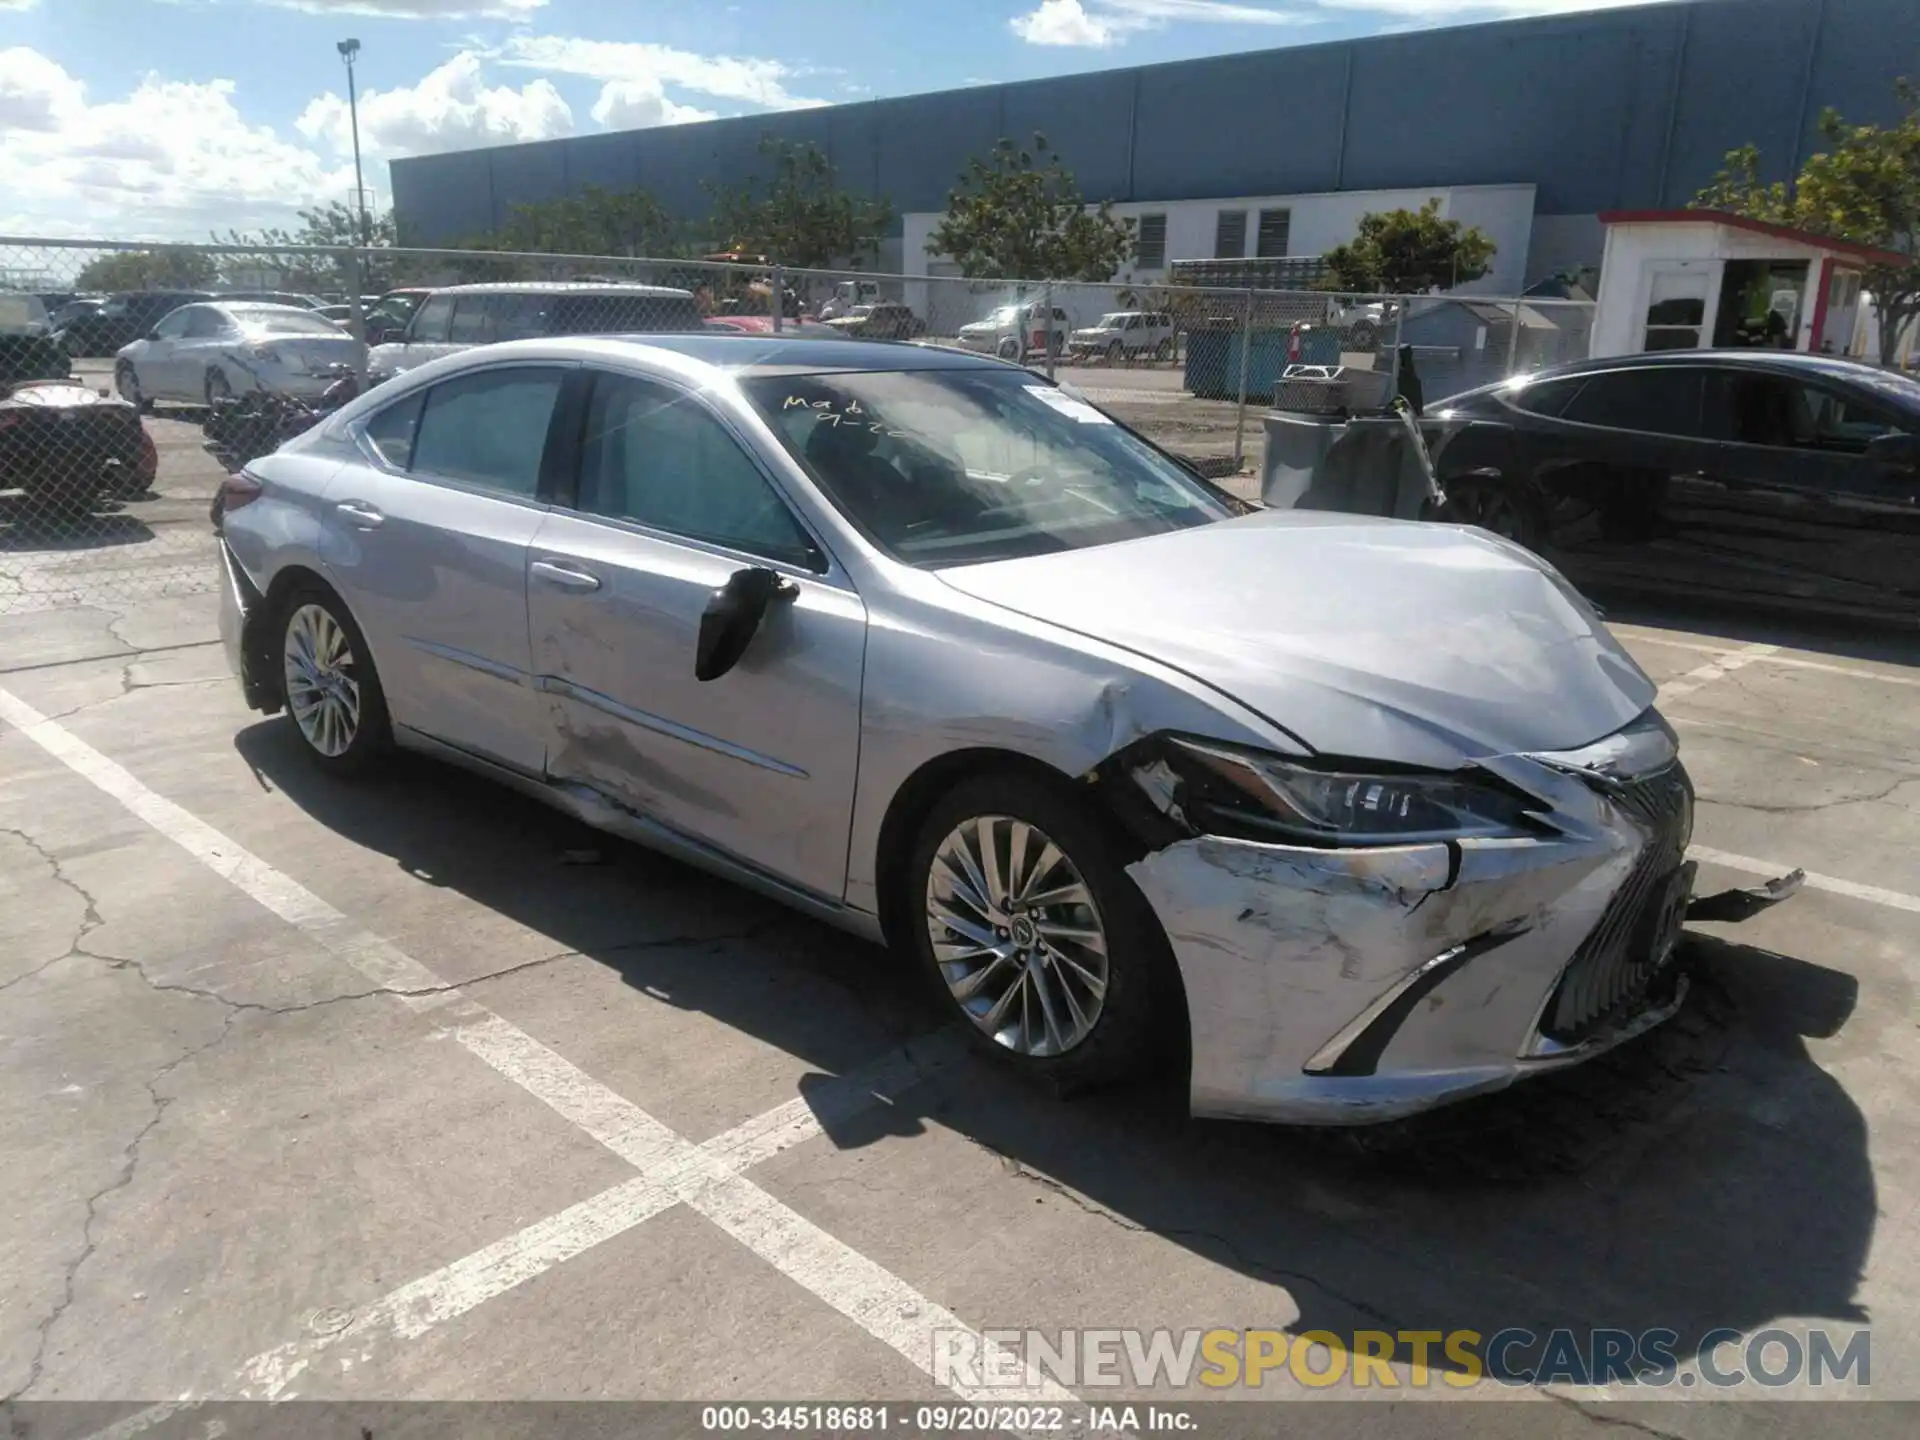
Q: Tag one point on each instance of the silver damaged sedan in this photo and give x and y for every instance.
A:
(1362, 816)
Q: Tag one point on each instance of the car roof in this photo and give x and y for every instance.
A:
(1783, 362)
(560, 287)
(779, 355)
(233, 302)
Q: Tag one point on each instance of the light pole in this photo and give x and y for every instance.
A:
(348, 49)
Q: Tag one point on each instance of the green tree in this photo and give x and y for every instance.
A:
(1865, 187)
(1409, 252)
(1017, 214)
(334, 226)
(595, 222)
(167, 267)
(800, 216)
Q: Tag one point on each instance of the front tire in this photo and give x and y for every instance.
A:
(333, 695)
(1024, 918)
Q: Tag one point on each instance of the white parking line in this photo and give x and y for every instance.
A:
(1791, 662)
(1852, 889)
(1717, 669)
(881, 1303)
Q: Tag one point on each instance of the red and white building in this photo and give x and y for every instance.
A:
(1692, 279)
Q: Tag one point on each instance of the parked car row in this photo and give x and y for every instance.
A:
(203, 353)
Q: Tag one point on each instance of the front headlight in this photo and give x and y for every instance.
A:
(1222, 789)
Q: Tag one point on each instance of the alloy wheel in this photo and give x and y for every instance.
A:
(323, 691)
(217, 387)
(1017, 936)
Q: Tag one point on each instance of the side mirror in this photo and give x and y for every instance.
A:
(732, 618)
(154, 334)
(1895, 450)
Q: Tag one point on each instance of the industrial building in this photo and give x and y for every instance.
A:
(1529, 128)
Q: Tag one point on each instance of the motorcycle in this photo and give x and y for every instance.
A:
(244, 427)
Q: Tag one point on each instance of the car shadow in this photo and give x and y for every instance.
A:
(1707, 1175)
(43, 522)
(1839, 637)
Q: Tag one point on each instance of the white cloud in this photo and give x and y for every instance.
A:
(1062, 22)
(451, 108)
(725, 77)
(414, 9)
(637, 104)
(172, 159)
(1101, 23)
(18, 4)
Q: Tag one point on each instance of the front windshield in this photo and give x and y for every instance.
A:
(956, 467)
(1112, 322)
(1005, 315)
(284, 322)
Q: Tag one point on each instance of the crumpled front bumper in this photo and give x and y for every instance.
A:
(1354, 986)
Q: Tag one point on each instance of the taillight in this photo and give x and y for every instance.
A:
(238, 489)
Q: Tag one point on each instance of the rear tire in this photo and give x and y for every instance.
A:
(127, 381)
(1494, 504)
(1069, 989)
(217, 388)
(333, 697)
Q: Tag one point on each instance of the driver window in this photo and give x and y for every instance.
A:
(659, 458)
(174, 327)
(1788, 414)
(205, 324)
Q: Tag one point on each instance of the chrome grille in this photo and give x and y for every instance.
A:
(1615, 967)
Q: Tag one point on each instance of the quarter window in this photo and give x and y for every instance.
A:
(391, 431)
(661, 459)
(489, 428)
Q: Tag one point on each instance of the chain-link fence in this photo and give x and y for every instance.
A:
(133, 377)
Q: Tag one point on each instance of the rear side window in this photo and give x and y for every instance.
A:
(489, 428)
(472, 315)
(430, 325)
(618, 314)
(1662, 400)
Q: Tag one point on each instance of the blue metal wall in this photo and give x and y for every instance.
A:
(1620, 109)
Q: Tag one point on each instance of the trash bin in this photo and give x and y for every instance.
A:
(1365, 465)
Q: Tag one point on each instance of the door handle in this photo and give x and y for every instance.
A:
(359, 513)
(563, 577)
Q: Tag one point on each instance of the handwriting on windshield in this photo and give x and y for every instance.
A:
(852, 414)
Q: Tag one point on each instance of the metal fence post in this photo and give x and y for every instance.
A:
(1240, 409)
(1393, 365)
(1046, 321)
(1513, 339)
(356, 318)
(777, 298)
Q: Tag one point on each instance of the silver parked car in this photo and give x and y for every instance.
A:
(202, 353)
(459, 317)
(1370, 815)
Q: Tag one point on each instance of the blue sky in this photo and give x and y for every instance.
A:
(170, 117)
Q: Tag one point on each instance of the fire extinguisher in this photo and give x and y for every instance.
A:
(1294, 342)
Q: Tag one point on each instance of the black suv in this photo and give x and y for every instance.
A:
(122, 319)
(1767, 477)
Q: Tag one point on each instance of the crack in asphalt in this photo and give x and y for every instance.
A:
(1584, 1409)
(1835, 803)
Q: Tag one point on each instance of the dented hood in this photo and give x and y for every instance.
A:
(1422, 644)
